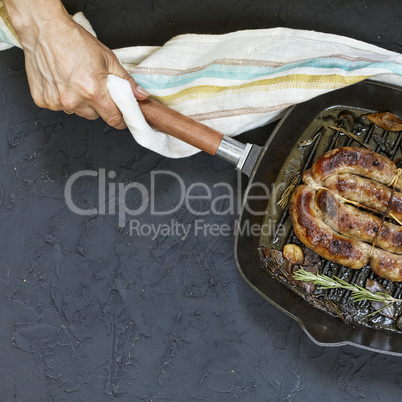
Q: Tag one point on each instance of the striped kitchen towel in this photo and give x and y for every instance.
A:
(237, 81)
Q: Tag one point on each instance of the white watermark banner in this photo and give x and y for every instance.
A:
(127, 201)
(201, 227)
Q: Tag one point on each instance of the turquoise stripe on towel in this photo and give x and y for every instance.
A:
(247, 72)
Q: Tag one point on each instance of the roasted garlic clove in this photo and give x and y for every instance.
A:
(293, 253)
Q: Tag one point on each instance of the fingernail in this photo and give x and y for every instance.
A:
(143, 91)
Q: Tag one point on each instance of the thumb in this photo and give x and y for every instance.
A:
(139, 92)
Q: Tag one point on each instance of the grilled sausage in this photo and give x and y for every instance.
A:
(387, 265)
(367, 192)
(332, 246)
(352, 160)
(360, 225)
(319, 237)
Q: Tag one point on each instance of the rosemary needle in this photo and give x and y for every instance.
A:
(358, 292)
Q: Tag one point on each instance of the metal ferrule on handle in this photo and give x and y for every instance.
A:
(233, 151)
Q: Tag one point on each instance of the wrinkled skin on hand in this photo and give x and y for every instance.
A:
(67, 68)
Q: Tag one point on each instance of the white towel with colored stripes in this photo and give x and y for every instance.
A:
(241, 80)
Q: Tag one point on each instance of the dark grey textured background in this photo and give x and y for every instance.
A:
(90, 313)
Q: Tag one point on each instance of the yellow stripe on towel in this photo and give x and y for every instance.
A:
(6, 19)
(293, 81)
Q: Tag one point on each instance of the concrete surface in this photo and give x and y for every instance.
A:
(91, 312)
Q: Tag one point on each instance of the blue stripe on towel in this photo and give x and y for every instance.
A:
(245, 73)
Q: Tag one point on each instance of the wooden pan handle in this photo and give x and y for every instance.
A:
(179, 126)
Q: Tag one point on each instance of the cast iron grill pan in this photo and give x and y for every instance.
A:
(350, 324)
(328, 139)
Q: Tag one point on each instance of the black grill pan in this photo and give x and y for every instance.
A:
(322, 327)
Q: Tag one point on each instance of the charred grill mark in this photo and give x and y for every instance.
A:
(343, 247)
(393, 238)
(396, 204)
(326, 202)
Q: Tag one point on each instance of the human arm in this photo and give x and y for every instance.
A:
(67, 67)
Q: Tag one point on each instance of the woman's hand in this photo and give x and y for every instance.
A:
(67, 67)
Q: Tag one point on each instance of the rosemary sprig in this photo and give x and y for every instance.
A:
(284, 200)
(358, 292)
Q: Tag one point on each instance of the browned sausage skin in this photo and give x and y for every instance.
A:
(338, 231)
(367, 192)
(360, 225)
(387, 265)
(319, 237)
(352, 160)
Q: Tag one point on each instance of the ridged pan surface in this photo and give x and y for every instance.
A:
(329, 318)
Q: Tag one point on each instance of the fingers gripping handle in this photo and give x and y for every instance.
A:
(140, 115)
